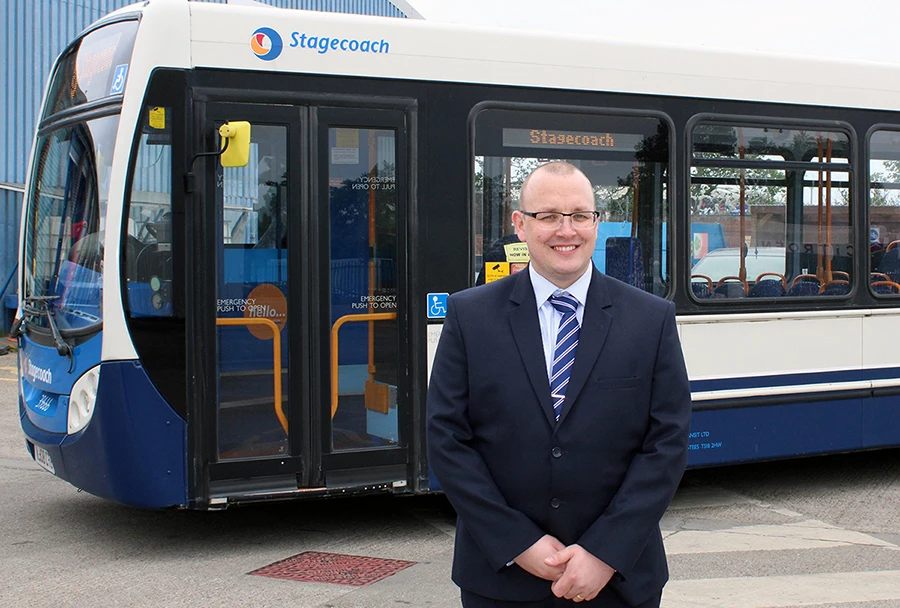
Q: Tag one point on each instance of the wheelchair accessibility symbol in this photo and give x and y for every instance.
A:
(437, 305)
(118, 84)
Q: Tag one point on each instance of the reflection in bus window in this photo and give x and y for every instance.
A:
(626, 159)
(148, 243)
(94, 68)
(884, 213)
(255, 208)
(770, 212)
(363, 251)
(253, 294)
(65, 222)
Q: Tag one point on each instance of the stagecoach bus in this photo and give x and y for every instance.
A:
(200, 327)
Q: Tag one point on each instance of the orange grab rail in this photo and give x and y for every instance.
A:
(372, 316)
(276, 353)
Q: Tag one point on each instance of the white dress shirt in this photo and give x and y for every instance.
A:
(548, 316)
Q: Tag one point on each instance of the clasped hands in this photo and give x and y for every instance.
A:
(576, 574)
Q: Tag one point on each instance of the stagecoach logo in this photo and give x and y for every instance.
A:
(266, 43)
(36, 373)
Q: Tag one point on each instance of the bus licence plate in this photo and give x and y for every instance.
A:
(42, 457)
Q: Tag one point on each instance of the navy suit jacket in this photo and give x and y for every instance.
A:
(601, 477)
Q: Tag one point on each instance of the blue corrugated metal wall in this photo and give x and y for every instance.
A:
(35, 32)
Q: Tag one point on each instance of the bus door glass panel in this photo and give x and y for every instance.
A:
(770, 212)
(362, 186)
(626, 159)
(884, 213)
(252, 300)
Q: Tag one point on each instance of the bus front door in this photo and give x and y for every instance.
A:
(309, 332)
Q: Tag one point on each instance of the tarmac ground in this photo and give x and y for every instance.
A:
(821, 532)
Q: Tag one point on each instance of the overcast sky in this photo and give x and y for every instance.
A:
(858, 29)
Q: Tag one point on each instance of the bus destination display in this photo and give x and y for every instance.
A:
(96, 68)
(570, 140)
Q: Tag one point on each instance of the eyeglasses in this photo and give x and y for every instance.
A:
(553, 220)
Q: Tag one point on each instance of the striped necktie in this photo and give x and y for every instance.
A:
(566, 345)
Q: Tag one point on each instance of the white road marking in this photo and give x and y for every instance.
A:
(809, 534)
(770, 591)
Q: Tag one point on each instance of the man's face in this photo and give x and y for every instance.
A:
(561, 254)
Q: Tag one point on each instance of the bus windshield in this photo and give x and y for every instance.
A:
(66, 213)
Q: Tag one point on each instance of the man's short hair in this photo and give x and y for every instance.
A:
(556, 167)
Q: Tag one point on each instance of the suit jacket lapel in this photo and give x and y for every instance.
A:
(526, 329)
(594, 329)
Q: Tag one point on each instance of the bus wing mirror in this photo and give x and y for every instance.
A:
(235, 143)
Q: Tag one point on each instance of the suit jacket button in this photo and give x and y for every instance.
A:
(556, 452)
(555, 503)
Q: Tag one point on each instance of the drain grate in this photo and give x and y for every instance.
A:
(335, 568)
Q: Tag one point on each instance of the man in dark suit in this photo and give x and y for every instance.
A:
(558, 415)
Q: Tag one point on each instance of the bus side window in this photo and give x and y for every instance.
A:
(884, 212)
(772, 203)
(626, 159)
(147, 248)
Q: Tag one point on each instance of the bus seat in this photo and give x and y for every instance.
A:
(770, 273)
(768, 288)
(839, 287)
(890, 263)
(625, 260)
(886, 287)
(730, 287)
(840, 275)
(805, 285)
(703, 287)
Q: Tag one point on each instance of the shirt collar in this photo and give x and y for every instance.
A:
(543, 288)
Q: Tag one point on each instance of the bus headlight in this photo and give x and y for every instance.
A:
(82, 398)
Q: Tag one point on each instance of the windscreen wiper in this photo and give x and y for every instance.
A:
(16, 330)
(39, 306)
